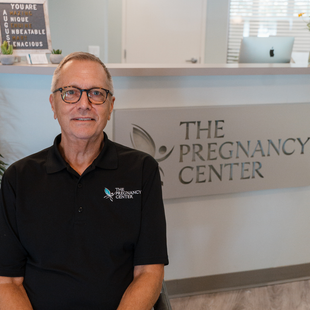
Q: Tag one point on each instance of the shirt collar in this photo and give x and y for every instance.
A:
(107, 159)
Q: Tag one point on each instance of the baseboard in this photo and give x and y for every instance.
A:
(237, 280)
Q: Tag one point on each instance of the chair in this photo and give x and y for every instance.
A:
(163, 302)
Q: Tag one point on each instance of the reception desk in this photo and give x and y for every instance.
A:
(231, 238)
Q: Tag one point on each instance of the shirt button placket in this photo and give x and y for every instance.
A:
(80, 207)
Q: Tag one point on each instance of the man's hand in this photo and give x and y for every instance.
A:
(13, 295)
(145, 288)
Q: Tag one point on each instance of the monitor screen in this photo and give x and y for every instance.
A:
(266, 50)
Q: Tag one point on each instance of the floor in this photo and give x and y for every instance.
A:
(288, 296)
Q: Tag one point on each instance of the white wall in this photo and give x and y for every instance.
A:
(76, 24)
(240, 232)
(206, 235)
(217, 31)
(26, 119)
(115, 30)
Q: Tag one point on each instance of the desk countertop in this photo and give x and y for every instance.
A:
(172, 70)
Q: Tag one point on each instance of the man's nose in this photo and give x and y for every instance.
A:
(84, 100)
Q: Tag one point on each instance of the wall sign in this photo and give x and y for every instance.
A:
(222, 149)
(25, 25)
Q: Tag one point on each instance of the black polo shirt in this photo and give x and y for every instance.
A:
(75, 239)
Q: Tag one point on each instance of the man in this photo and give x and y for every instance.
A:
(82, 223)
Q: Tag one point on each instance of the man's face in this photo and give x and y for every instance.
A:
(82, 120)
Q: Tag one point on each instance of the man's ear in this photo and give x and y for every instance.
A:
(52, 102)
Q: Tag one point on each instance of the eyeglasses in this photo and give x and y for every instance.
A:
(72, 94)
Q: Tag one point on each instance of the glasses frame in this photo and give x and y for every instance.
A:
(61, 89)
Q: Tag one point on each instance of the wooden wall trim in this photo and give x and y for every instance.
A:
(237, 280)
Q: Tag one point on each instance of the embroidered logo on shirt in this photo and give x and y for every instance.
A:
(120, 193)
(108, 195)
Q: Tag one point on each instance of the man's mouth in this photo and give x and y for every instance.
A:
(82, 119)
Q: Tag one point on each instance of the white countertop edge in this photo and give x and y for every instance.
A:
(172, 70)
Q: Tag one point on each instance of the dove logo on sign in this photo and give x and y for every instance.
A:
(141, 140)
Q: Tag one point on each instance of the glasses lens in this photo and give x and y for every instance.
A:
(70, 95)
(97, 95)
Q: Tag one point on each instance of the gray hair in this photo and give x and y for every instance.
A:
(81, 56)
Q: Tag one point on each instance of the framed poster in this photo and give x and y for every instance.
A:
(25, 25)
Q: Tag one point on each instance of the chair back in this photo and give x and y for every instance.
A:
(163, 302)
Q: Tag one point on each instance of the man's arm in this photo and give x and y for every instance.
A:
(13, 295)
(145, 288)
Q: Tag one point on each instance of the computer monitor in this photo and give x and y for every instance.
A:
(266, 49)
